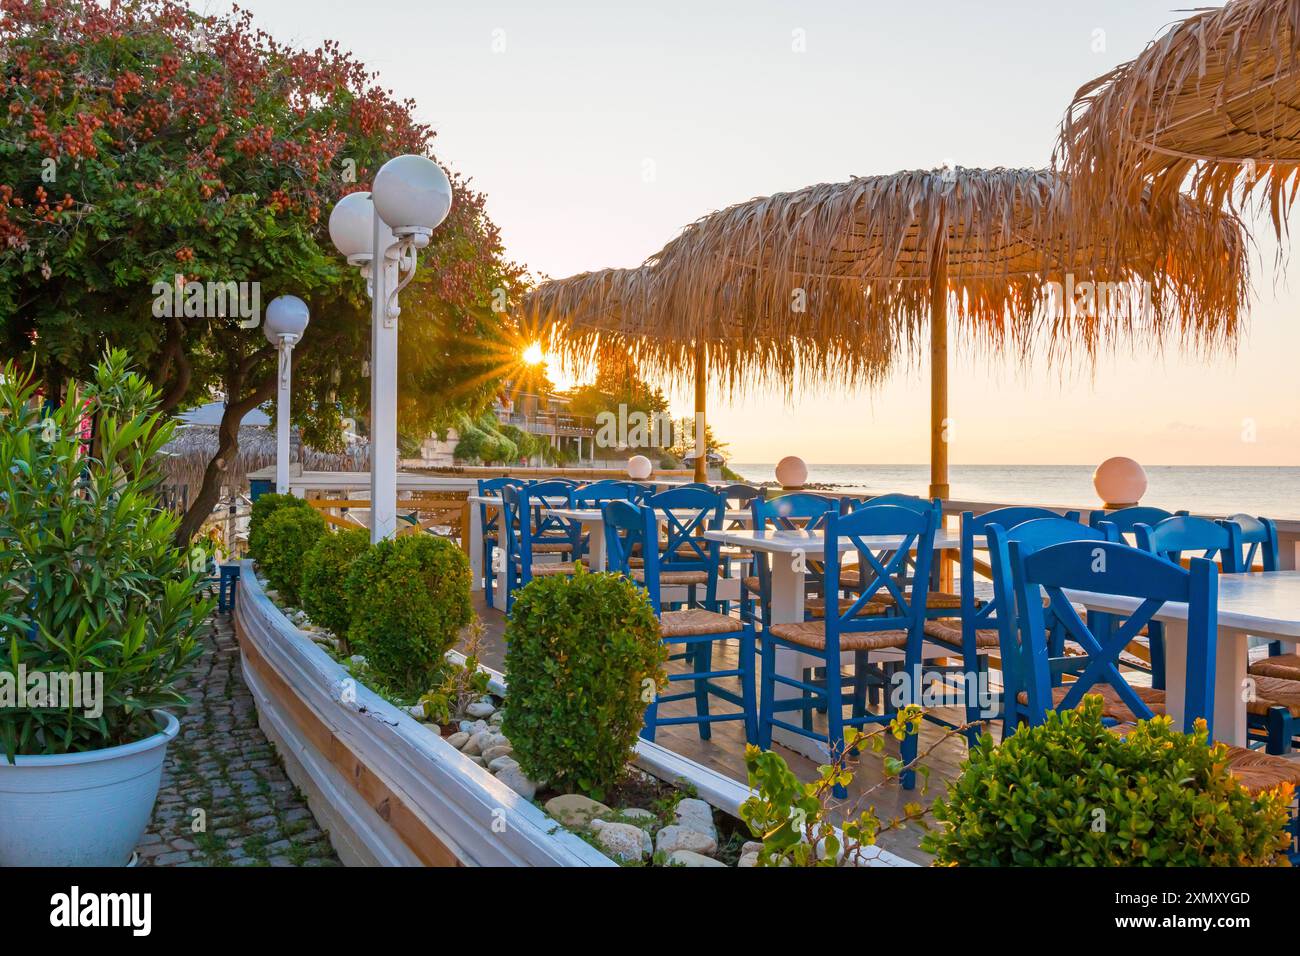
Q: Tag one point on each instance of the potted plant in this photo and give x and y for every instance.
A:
(98, 614)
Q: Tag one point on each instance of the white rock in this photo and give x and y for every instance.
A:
(481, 708)
(514, 778)
(497, 764)
(358, 659)
(687, 858)
(677, 837)
(748, 860)
(500, 750)
(622, 841)
(575, 810)
(417, 711)
(636, 813)
(458, 740)
(697, 815)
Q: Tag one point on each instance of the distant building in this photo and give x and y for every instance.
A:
(547, 416)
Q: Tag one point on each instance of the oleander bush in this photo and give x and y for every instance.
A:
(92, 582)
(583, 659)
(289, 534)
(263, 508)
(324, 570)
(1072, 793)
(409, 599)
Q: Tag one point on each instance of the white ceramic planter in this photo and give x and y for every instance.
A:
(83, 809)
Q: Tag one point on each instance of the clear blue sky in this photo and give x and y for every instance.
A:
(599, 129)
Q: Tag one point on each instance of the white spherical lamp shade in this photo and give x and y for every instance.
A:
(286, 315)
(639, 467)
(791, 472)
(412, 194)
(352, 225)
(1120, 482)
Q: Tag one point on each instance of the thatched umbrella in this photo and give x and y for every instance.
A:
(1215, 99)
(871, 262)
(604, 317)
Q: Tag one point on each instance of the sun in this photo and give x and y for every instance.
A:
(533, 355)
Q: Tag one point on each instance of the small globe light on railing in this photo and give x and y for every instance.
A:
(639, 467)
(413, 195)
(1120, 482)
(791, 472)
(286, 319)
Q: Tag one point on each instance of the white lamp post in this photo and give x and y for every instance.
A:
(382, 233)
(286, 320)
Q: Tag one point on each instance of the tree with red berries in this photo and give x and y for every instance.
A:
(151, 156)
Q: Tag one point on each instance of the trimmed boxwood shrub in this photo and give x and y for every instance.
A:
(583, 659)
(1072, 793)
(324, 570)
(265, 506)
(287, 537)
(409, 599)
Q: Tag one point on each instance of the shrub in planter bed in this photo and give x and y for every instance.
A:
(289, 534)
(409, 598)
(324, 570)
(263, 508)
(583, 658)
(1072, 793)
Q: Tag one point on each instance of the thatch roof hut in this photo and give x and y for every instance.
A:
(869, 266)
(1213, 104)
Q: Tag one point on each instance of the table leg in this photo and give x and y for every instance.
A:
(787, 608)
(1230, 675)
(475, 547)
(596, 556)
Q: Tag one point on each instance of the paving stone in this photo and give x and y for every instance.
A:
(222, 763)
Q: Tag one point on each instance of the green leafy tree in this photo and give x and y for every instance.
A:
(145, 147)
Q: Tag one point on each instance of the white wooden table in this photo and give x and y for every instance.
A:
(790, 551)
(476, 569)
(1265, 604)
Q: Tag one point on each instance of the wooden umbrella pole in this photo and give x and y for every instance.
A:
(701, 443)
(939, 366)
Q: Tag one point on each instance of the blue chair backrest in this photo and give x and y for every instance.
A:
(608, 490)
(798, 510)
(907, 530)
(1171, 537)
(912, 502)
(1031, 535)
(1258, 539)
(492, 486)
(685, 512)
(1114, 568)
(624, 534)
(1126, 519)
(692, 486)
(544, 524)
(740, 495)
(975, 526)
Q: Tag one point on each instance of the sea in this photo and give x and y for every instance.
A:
(1201, 489)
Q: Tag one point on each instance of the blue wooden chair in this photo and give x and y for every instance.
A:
(938, 604)
(1041, 570)
(859, 625)
(520, 530)
(791, 512)
(490, 518)
(975, 634)
(593, 496)
(697, 625)
(1126, 519)
(1215, 540)
(1258, 540)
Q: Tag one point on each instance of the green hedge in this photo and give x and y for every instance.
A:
(1072, 793)
(324, 571)
(409, 600)
(583, 659)
(287, 536)
(263, 508)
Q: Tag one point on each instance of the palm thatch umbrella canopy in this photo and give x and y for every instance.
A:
(875, 262)
(1215, 100)
(603, 317)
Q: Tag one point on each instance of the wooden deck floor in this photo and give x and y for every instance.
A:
(725, 752)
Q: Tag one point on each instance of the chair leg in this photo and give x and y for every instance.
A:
(834, 718)
(747, 686)
(1156, 645)
(1280, 730)
(859, 683)
(767, 690)
(809, 674)
(976, 667)
(703, 663)
(489, 579)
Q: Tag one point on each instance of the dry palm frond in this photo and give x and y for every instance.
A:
(1216, 100)
(835, 280)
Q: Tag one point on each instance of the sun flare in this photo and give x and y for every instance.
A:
(533, 355)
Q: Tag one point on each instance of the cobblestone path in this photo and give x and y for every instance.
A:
(225, 798)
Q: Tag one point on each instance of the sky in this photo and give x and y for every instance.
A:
(599, 129)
